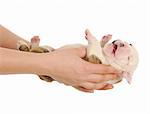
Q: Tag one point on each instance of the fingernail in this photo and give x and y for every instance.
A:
(108, 87)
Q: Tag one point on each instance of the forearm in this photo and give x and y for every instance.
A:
(17, 62)
(9, 39)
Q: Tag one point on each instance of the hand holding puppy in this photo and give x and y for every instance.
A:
(68, 67)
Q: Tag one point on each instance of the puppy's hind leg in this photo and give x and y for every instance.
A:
(94, 59)
(46, 78)
(23, 46)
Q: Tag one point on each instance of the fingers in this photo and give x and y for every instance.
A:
(102, 86)
(92, 86)
(101, 69)
(107, 87)
(98, 78)
(97, 87)
(83, 89)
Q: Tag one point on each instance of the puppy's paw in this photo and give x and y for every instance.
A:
(105, 39)
(39, 50)
(46, 78)
(22, 46)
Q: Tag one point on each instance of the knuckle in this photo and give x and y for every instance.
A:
(109, 77)
(82, 49)
(79, 72)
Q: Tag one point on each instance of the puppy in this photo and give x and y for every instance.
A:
(118, 54)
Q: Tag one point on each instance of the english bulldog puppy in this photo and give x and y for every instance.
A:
(119, 54)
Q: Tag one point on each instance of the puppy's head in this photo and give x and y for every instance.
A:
(122, 56)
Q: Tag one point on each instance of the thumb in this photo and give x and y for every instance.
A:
(81, 51)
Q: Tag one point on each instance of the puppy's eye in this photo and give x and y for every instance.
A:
(130, 44)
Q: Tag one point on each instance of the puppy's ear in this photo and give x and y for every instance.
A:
(133, 59)
(128, 76)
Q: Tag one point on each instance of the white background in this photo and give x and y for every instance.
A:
(60, 22)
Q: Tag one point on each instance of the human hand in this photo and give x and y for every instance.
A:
(67, 66)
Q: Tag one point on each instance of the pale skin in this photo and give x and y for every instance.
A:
(77, 73)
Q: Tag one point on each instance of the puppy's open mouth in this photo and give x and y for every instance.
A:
(114, 48)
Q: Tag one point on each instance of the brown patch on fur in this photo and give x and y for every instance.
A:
(46, 78)
(24, 48)
(39, 50)
(94, 59)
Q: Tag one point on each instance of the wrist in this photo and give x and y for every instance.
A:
(44, 64)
